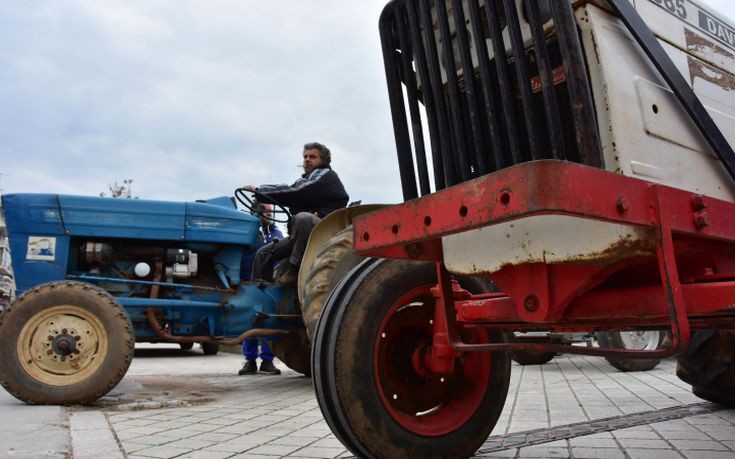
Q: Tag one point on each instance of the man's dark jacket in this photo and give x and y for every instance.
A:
(319, 191)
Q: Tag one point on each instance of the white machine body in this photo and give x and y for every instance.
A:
(644, 133)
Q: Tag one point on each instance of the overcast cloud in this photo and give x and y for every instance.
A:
(189, 98)
(192, 99)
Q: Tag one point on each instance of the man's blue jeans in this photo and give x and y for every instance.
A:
(250, 350)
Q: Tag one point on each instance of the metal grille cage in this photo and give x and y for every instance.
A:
(491, 83)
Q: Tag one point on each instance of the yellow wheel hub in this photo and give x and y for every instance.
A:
(62, 345)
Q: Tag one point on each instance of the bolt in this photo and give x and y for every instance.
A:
(698, 202)
(64, 331)
(531, 303)
(77, 338)
(414, 250)
(622, 204)
(50, 338)
(76, 351)
(701, 220)
(49, 352)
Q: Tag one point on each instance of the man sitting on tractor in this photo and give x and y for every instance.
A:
(316, 194)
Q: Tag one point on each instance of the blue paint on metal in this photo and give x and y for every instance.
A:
(160, 302)
(87, 278)
(48, 234)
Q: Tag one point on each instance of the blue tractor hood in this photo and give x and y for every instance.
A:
(64, 215)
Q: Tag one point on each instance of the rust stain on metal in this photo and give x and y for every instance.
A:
(627, 246)
(697, 43)
(699, 69)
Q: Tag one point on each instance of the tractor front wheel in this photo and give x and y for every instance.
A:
(371, 382)
(532, 357)
(64, 343)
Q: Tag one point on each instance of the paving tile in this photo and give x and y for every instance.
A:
(598, 453)
(707, 454)
(513, 452)
(163, 452)
(154, 440)
(643, 443)
(317, 452)
(698, 445)
(191, 443)
(635, 453)
(722, 432)
(237, 445)
(131, 447)
(293, 441)
(543, 452)
(593, 441)
(251, 456)
(275, 450)
(640, 432)
(204, 454)
(214, 437)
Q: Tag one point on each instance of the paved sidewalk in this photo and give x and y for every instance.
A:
(186, 405)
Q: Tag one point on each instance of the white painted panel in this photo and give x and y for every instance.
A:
(544, 238)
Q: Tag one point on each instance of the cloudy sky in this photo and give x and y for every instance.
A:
(192, 99)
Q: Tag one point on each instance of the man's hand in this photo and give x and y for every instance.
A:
(250, 187)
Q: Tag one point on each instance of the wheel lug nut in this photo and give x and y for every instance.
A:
(64, 331)
(77, 338)
(76, 351)
(49, 352)
(50, 338)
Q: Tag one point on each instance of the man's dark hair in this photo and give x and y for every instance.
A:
(324, 152)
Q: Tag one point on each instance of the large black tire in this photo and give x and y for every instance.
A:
(295, 352)
(210, 348)
(64, 343)
(708, 365)
(648, 340)
(532, 357)
(332, 262)
(370, 383)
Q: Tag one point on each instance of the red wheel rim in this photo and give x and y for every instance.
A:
(421, 402)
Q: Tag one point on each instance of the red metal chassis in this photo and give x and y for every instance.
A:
(688, 284)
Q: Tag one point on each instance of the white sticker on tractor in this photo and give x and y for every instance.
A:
(41, 248)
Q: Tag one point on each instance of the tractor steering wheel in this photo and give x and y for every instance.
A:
(253, 202)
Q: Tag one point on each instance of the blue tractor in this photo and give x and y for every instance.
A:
(95, 275)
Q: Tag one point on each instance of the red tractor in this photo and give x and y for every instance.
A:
(566, 168)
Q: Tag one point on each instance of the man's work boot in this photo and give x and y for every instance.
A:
(289, 277)
(267, 367)
(249, 368)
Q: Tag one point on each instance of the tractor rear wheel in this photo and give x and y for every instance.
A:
(708, 365)
(332, 262)
(210, 348)
(371, 382)
(294, 352)
(647, 340)
(64, 343)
